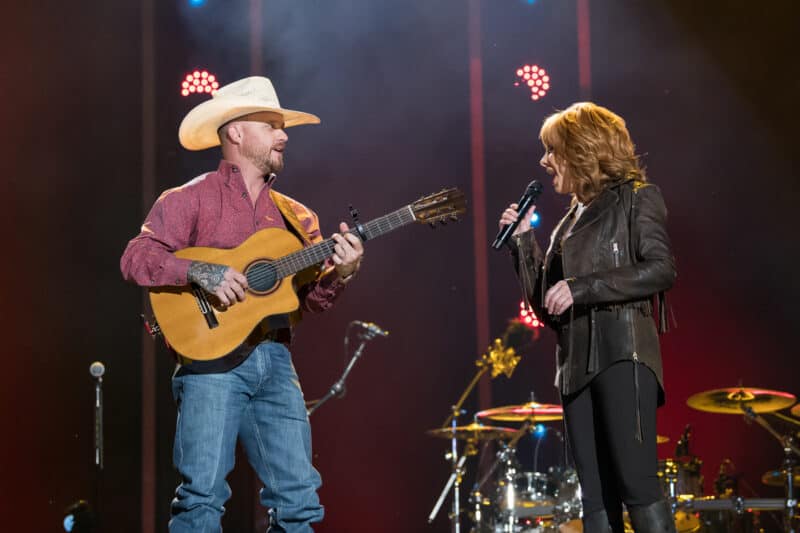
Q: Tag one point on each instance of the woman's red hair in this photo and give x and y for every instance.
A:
(594, 145)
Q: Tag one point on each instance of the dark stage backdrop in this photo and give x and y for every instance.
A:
(707, 90)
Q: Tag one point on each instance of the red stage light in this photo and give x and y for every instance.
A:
(535, 78)
(199, 81)
(528, 317)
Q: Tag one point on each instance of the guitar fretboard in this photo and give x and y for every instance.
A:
(317, 253)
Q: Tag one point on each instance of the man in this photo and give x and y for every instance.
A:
(255, 397)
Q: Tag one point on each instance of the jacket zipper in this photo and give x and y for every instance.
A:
(639, 436)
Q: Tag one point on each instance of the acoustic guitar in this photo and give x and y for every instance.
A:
(276, 264)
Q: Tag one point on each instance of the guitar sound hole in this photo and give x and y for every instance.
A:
(262, 277)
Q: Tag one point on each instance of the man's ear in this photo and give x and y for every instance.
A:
(231, 133)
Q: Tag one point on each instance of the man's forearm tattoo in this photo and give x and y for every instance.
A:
(207, 275)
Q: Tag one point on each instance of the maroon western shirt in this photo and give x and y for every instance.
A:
(214, 210)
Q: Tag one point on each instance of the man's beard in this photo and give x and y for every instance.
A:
(261, 159)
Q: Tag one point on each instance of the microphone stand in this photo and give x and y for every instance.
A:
(338, 388)
(97, 370)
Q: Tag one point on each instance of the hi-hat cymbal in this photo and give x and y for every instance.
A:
(777, 478)
(735, 399)
(533, 411)
(474, 431)
(662, 439)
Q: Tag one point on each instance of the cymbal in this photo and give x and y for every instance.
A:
(474, 431)
(777, 478)
(732, 400)
(796, 410)
(662, 439)
(534, 411)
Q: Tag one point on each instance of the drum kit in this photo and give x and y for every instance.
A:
(510, 499)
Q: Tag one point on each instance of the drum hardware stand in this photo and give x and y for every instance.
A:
(454, 482)
(789, 462)
(501, 360)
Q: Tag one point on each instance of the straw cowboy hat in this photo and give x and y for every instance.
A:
(198, 130)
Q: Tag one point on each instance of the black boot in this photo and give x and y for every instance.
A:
(596, 522)
(654, 518)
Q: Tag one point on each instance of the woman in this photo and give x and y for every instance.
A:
(598, 286)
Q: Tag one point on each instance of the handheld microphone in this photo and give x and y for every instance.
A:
(372, 328)
(532, 192)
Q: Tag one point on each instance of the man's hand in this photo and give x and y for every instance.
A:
(558, 298)
(227, 284)
(347, 252)
(510, 215)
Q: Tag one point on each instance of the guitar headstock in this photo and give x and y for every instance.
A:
(440, 207)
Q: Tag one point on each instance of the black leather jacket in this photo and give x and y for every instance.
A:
(618, 263)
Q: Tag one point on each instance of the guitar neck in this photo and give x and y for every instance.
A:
(317, 253)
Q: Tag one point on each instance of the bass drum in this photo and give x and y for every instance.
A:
(729, 522)
(568, 507)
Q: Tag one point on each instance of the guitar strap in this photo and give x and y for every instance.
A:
(292, 222)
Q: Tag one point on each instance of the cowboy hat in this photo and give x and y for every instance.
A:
(198, 129)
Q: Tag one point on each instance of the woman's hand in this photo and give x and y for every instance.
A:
(558, 298)
(510, 215)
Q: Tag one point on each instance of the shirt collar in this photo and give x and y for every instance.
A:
(230, 171)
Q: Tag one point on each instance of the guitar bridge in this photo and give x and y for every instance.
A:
(152, 328)
(205, 308)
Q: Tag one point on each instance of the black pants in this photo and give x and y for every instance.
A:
(613, 466)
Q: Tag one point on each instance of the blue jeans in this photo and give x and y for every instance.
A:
(261, 403)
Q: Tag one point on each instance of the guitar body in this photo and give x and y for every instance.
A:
(178, 312)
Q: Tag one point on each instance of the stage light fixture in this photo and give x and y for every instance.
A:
(200, 82)
(196, 3)
(79, 518)
(535, 79)
(528, 317)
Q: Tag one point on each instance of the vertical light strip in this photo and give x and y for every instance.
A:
(479, 242)
(256, 29)
(584, 49)
(148, 444)
(255, 510)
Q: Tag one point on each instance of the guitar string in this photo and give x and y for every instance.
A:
(323, 250)
(318, 252)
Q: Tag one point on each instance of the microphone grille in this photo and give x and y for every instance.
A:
(534, 187)
(97, 369)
